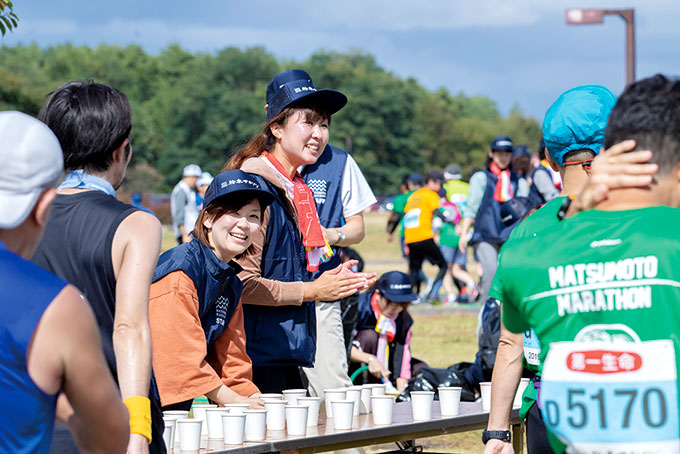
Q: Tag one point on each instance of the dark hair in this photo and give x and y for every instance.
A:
(265, 140)
(648, 111)
(90, 120)
(219, 207)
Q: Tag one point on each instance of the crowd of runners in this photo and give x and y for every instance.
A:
(579, 248)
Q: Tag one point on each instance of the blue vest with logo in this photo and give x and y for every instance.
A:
(281, 335)
(489, 225)
(324, 178)
(219, 289)
(27, 418)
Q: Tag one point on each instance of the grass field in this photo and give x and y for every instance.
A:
(441, 335)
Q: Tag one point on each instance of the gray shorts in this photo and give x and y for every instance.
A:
(453, 256)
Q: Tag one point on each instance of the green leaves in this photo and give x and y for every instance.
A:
(8, 20)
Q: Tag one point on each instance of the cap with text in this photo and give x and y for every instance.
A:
(396, 287)
(237, 181)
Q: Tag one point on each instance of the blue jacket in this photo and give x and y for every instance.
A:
(281, 335)
(495, 220)
(366, 320)
(219, 289)
(324, 178)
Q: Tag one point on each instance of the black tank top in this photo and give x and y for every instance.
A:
(76, 246)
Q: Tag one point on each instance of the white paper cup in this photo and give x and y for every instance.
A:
(332, 394)
(291, 395)
(199, 413)
(236, 408)
(296, 419)
(169, 431)
(276, 414)
(213, 418)
(377, 390)
(189, 434)
(233, 427)
(255, 424)
(313, 403)
(354, 393)
(381, 407)
(523, 383)
(271, 396)
(176, 414)
(449, 400)
(365, 400)
(342, 414)
(485, 388)
(421, 404)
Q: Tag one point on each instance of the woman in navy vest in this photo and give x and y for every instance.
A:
(383, 338)
(195, 312)
(497, 202)
(279, 293)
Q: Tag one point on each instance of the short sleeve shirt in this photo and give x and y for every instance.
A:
(606, 275)
(419, 212)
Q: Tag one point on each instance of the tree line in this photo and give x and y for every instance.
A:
(199, 107)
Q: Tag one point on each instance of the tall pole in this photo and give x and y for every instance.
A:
(628, 16)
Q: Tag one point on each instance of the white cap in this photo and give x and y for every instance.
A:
(32, 161)
(204, 180)
(192, 170)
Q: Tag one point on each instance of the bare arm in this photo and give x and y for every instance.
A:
(353, 230)
(507, 372)
(66, 346)
(467, 223)
(135, 250)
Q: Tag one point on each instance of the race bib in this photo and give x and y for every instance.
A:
(532, 347)
(603, 397)
(412, 219)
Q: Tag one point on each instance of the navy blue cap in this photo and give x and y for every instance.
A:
(235, 181)
(396, 286)
(415, 178)
(521, 150)
(292, 85)
(502, 143)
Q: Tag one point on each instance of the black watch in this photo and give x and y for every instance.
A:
(503, 435)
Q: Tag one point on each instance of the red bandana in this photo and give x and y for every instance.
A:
(503, 191)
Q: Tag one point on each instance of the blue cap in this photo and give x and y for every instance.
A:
(521, 150)
(501, 143)
(415, 178)
(292, 85)
(577, 120)
(235, 181)
(396, 286)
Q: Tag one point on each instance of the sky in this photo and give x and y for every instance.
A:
(516, 52)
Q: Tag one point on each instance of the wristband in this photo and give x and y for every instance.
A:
(140, 415)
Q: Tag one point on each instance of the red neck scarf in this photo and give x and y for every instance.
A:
(503, 191)
(305, 206)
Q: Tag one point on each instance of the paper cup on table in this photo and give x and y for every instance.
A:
(271, 396)
(313, 403)
(199, 413)
(421, 404)
(276, 414)
(255, 424)
(342, 413)
(233, 427)
(485, 388)
(213, 418)
(354, 393)
(176, 414)
(236, 408)
(365, 400)
(189, 434)
(449, 400)
(296, 419)
(381, 407)
(291, 395)
(523, 383)
(169, 431)
(332, 394)
(377, 390)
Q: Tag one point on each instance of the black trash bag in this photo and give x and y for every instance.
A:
(490, 332)
(429, 379)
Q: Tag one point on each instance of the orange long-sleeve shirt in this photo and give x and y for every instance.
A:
(183, 366)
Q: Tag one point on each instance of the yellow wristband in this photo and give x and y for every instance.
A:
(140, 415)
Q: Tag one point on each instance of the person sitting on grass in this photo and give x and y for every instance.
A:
(195, 300)
(383, 335)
